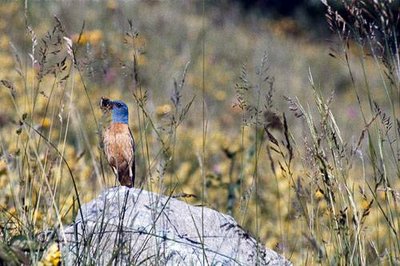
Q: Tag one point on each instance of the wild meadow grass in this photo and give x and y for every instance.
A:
(299, 142)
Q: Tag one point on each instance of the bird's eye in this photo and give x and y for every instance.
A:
(119, 105)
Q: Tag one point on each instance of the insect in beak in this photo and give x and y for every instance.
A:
(106, 104)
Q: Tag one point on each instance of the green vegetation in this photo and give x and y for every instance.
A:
(297, 139)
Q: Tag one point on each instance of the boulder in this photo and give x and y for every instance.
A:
(129, 226)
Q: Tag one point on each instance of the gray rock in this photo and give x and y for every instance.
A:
(130, 227)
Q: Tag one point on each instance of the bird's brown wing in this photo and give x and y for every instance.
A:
(127, 145)
(108, 145)
(132, 157)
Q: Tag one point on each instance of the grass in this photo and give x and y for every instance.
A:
(296, 140)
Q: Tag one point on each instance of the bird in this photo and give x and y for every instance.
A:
(118, 142)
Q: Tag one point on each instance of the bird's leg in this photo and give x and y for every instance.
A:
(115, 170)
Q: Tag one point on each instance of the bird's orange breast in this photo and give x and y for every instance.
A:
(119, 145)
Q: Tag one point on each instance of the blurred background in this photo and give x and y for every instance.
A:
(202, 79)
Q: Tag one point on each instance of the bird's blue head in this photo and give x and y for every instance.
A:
(119, 112)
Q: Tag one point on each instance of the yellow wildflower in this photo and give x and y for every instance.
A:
(163, 109)
(366, 204)
(220, 95)
(95, 36)
(51, 257)
(319, 194)
(112, 4)
(141, 60)
(82, 39)
(45, 123)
